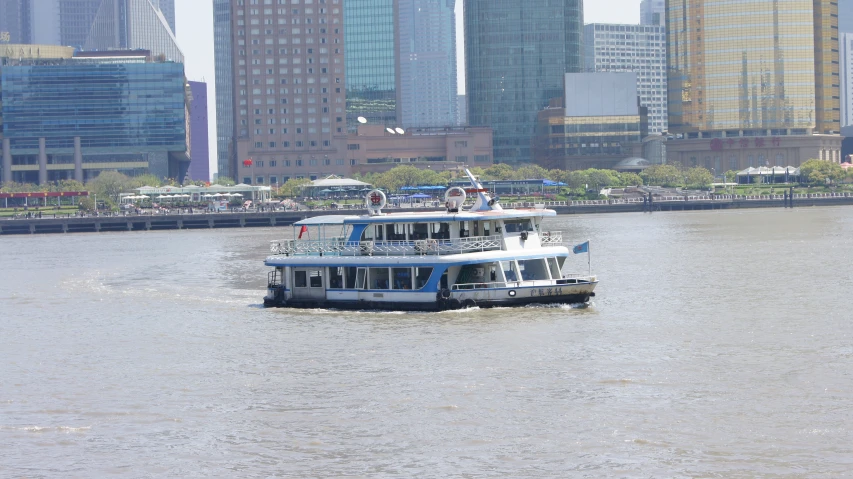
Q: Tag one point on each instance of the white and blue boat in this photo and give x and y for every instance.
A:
(483, 256)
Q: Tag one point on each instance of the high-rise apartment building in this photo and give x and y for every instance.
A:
(199, 150)
(749, 76)
(632, 48)
(426, 40)
(653, 12)
(94, 24)
(289, 94)
(223, 65)
(517, 54)
(371, 61)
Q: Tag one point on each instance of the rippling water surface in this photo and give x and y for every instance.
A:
(719, 345)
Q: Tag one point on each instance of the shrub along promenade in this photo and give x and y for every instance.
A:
(45, 223)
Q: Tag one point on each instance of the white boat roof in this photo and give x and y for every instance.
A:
(425, 216)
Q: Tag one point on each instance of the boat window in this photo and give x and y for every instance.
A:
(441, 230)
(367, 235)
(379, 278)
(402, 278)
(421, 277)
(555, 268)
(360, 278)
(420, 231)
(533, 269)
(487, 228)
(379, 232)
(464, 229)
(315, 278)
(300, 279)
(508, 268)
(336, 278)
(395, 232)
(350, 277)
(517, 226)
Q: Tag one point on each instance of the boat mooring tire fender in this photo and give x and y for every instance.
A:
(444, 293)
(469, 303)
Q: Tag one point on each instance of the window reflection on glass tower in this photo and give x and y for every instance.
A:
(517, 53)
(224, 86)
(753, 67)
(370, 61)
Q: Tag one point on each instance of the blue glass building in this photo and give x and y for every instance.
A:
(516, 55)
(370, 59)
(75, 118)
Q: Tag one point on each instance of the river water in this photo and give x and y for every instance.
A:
(719, 345)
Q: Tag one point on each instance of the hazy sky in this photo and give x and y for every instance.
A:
(194, 25)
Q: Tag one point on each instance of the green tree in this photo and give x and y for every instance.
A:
(662, 175)
(69, 185)
(86, 203)
(499, 171)
(293, 186)
(225, 181)
(398, 177)
(110, 185)
(531, 172)
(731, 176)
(630, 179)
(145, 180)
(698, 178)
(819, 172)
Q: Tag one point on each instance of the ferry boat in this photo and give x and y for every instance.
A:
(484, 256)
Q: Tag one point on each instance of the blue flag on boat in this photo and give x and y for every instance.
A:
(581, 248)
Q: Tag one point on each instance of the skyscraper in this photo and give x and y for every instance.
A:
(516, 56)
(132, 24)
(426, 90)
(224, 87)
(632, 48)
(845, 42)
(757, 69)
(845, 16)
(94, 24)
(199, 149)
(371, 61)
(653, 12)
(288, 91)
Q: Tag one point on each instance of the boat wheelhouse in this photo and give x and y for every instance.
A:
(426, 261)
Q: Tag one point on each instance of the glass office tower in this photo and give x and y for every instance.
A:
(516, 56)
(753, 68)
(370, 59)
(224, 86)
(427, 43)
(75, 119)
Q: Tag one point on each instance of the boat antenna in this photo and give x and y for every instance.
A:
(484, 202)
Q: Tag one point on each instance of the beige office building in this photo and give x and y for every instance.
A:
(288, 90)
(375, 149)
(753, 83)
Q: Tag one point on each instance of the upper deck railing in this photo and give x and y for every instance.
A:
(342, 247)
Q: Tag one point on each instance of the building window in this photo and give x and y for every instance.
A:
(259, 164)
(461, 159)
(481, 158)
(461, 144)
(353, 146)
(247, 180)
(273, 180)
(272, 163)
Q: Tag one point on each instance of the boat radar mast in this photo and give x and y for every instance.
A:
(483, 202)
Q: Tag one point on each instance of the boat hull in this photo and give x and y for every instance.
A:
(522, 297)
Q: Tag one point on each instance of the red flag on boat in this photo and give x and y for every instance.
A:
(302, 231)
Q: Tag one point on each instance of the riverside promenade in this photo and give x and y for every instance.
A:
(248, 219)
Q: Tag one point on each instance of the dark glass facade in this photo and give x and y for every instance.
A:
(516, 56)
(129, 117)
(370, 61)
(110, 106)
(224, 86)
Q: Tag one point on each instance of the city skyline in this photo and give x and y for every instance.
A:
(194, 25)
